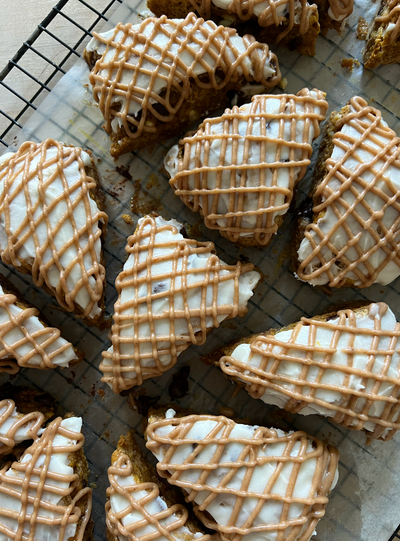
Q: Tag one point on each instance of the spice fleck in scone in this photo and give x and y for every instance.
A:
(44, 495)
(171, 292)
(51, 225)
(290, 23)
(152, 78)
(353, 237)
(344, 365)
(140, 505)
(246, 482)
(240, 170)
(383, 41)
(25, 340)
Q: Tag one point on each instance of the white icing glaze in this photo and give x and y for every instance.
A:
(18, 210)
(251, 203)
(220, 508)
(59, 464)
(327, 222)
(161, 40)
(22, 432)
(32, 325)
(389, 28)
(154, 506)
(324, 336)
(247, 282)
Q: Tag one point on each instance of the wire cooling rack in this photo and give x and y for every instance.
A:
(44, 58)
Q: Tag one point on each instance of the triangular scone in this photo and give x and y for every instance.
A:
(344, 365)
(353, 238)
(140, 505)
(51, 225)
(383, 41)
(153, 78)
(171, 292)
(45, 495)
(246, 482)
(25, 340)
(240, 169)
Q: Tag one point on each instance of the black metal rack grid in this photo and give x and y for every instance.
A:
(52, 70)
(41, 45)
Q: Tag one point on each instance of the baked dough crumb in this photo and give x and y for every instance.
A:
(127, 219)
(362, 29)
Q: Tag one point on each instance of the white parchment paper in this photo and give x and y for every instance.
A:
(365, 506)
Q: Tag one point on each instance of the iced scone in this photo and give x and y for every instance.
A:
(26, 341)
(383, 40)
(291, 23)
(246, 482)
(334, 14)
(44, 495)
(348, 234)
(51, 225)
(152, 79)
(344, 365)
(240, 170)
(171, 292)
(22, 414)
(142, 506)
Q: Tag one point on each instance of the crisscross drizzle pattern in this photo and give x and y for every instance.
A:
(145, 517)
(15, 427)
(148, 68)
(47, 496)
(356, 240)
(268, 12)
(346, 367)
(240, 169)
(246, 479)
(26, 342)
(171, 292)
(51, 222)
(392, 16)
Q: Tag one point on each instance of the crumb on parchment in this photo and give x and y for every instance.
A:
(349, 63)
(127, 219)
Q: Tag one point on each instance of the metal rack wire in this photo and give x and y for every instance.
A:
(41, 44)
(16, 106)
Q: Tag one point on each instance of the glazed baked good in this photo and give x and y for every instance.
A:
(350, 238)
(240, 169)
(246, 482)
(142, 506)
(344, 365)
(383, 41)
(22, 414)
(26, 341)
(44, 495)
(171, 292)
(153, 78)
(291, 23)
(51, 225)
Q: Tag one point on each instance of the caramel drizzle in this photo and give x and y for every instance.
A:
(128, 314)
(201, 196)
(299, 528)
(354, 404)
(393, 13)
(50, 334)
(36, 480)
(368, 122)
(139, 50)
(244, 10)
(7, 441)
(123, 468)
(20, 163)
(341, 8)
